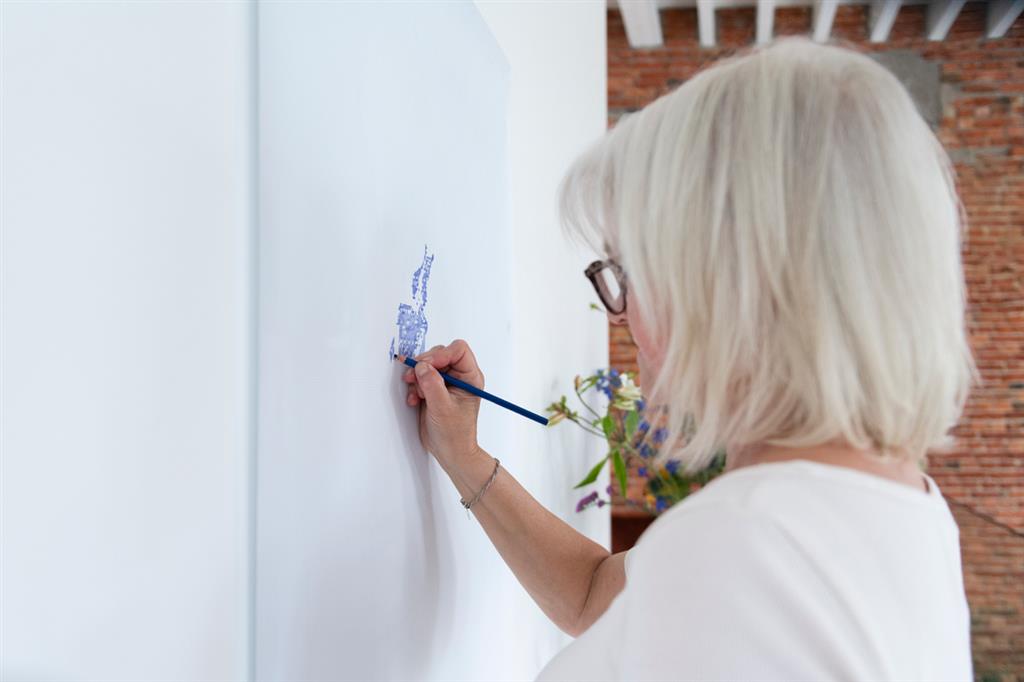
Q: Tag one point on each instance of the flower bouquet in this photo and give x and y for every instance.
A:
(634, 437)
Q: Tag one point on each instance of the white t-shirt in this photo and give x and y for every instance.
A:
(791, 570)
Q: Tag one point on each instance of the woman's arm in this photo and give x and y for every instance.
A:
(572, 578)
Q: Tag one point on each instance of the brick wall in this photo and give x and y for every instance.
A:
(982, 126)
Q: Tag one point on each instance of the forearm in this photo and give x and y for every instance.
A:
(554, 562)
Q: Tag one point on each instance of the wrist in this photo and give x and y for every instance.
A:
(465, 468)
(454, 458)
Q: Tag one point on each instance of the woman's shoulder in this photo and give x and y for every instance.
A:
(777, 488)
(785, 506)
(708, 532)
(740, 502)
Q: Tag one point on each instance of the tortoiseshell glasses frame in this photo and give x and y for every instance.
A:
(610, 284)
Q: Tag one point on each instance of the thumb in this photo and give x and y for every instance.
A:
(432, 385)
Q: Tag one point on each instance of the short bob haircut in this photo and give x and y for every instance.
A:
(791, 235)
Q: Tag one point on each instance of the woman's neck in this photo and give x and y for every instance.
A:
(904, 471)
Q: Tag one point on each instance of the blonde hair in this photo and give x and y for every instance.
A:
(790, 231)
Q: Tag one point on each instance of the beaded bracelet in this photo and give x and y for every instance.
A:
(480, 494)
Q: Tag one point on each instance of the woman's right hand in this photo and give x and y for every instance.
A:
(447, 416)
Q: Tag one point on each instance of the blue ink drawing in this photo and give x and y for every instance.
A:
(412, 323)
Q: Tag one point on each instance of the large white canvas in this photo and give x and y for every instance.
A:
(382, 131)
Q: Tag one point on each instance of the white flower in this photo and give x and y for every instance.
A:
(627, 394)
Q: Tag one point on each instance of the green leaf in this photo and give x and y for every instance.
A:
(592, 476)
(620, 470)
(608, 426)
(632, 422)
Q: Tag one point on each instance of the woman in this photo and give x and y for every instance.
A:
(783, 240)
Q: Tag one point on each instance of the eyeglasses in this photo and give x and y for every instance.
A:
(610, 283)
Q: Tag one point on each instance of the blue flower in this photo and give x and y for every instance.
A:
(602, 384)
(644, 427)
(640, 406)
(613, 372)
(646, 451)
(601, 503)
(586, 501)
(661, 503)
(672, 465)
(660, 435)
(642, 471)
(608, 490)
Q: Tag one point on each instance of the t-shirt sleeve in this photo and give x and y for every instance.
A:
(717, 593)
(628, 562)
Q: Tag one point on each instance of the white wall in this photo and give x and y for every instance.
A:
(558, 104)
(124, 326)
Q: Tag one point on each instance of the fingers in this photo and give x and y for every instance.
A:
(413, 394)
(457, 359)
(431, 386)
(424, 384)
(409, 377)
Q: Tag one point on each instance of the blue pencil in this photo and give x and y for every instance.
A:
(485, 395)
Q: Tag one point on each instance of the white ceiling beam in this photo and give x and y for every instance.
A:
(940, 17)
(1001, 15)
(706, 22)
(881, 17)
(643, 24)
(824, 13)
(766, 21)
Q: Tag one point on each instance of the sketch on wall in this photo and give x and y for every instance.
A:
(412, 319)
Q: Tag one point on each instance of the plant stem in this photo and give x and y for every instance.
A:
(587, 428)
(592, 411)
